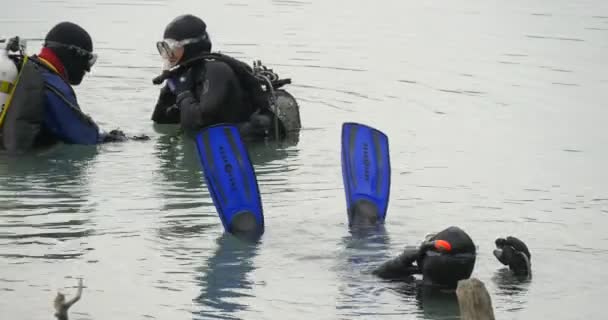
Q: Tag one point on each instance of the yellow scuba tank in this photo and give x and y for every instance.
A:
(8, 73)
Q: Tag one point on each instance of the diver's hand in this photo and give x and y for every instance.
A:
(514, 253)
(183, 82)
(113, 136)
(172, 112)
(167, 92)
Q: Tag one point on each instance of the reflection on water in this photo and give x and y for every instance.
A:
(272, 165)
(224, 282)
(437, 304)
(512, 288)
(43, 202)
(364, 249)
(191, 218)
(432, 302)
(495, 126)
(184, 189)
(180, 169)
(366, 246)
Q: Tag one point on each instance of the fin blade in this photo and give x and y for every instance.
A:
(231, 179)
(366, 172)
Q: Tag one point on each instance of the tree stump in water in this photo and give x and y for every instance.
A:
(474, 300)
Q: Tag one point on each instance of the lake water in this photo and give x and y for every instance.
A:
(496, 115)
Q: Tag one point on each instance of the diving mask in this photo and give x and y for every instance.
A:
(89, 56)
(172, 50)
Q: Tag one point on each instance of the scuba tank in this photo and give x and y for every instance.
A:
(8, 71)
(12, 53)
(261, 84)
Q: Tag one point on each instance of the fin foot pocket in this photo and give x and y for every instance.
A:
(244, 223)
(364, 212)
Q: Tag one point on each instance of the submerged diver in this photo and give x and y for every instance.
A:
(204, 88)
(43, 108)
(442, 259)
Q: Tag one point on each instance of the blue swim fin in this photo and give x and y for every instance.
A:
(231, 180)
(366, 171)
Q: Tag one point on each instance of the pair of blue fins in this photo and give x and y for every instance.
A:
(233, 185)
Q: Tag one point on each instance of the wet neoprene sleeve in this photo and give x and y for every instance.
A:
(399, 267)
(165, 111)
(216, 88)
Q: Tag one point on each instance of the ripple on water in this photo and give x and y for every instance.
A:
(224, 280)
(62, 209)
(554, 38)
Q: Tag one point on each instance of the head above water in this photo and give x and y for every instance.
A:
(74, 48)
(450, 258)
(184, 38)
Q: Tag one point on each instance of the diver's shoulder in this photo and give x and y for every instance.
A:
(219, 66)
(41, 64)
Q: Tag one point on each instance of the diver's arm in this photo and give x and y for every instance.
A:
(216, 88)
(401, 266)
(66, 121)
(165, 111)
(62, 307)
(77, 297)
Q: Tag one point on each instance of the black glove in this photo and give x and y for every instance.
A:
(166, 96)
(184, 82)
(399, 267)
(514, 253)
(114, 136)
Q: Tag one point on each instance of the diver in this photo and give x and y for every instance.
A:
(449, 256)
(443, 259)
(42, 108)
(204, 88)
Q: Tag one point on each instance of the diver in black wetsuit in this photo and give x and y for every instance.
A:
(449, 256)
(209, 90)
(442, 259)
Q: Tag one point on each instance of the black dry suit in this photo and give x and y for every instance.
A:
(225, 90)
(443, 260)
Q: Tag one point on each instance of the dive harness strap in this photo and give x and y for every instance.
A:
(70, 104)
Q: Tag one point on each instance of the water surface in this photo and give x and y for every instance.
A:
(495, 113)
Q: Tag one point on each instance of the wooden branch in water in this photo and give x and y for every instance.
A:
(474, 300)
(61, 306)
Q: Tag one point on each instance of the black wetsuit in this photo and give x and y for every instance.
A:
(217, 97)
(437, 267)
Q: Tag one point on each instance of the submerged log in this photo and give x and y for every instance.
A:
(474, 300)
(61, 306)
